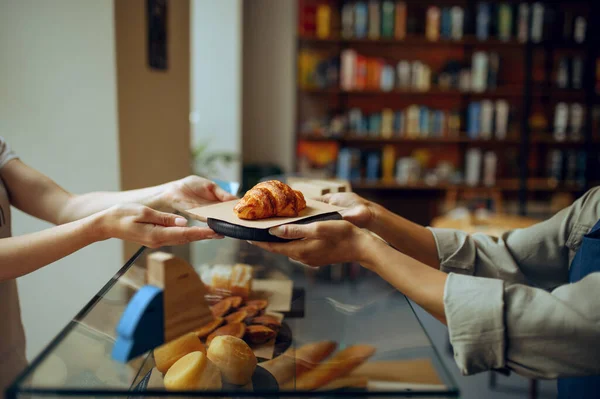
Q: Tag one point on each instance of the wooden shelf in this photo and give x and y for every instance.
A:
(357, 139)
(392, 185)
(508, 91)
(507, 185)
(413, 40)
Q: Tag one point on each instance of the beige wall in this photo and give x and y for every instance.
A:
(269, 89)
(153, 106)
(57, 110)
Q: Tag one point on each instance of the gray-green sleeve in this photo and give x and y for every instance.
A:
(6, 153)
(508, 301)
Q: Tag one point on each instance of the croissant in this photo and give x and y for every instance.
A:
(269, 199)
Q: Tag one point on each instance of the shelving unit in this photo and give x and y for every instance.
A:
(519, 83)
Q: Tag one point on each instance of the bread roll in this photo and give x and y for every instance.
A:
(234, 329)
(166, 355)
(193, 371)
(234, 358)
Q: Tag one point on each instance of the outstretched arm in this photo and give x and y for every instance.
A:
(492, 323)
(24, 254)
(38, 195)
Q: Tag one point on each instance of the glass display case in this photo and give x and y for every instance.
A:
(342, 304)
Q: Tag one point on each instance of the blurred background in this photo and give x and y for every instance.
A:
(469, 114)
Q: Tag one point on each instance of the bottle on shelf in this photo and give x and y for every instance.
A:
(400, 21)
(523, 24)
(387, 19)
(457, 16)
(374, 20)
(432, 25)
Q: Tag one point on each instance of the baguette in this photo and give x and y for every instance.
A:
(295, 362)
(283, 367)
(310, 355)
(341, 364)
(349, 381)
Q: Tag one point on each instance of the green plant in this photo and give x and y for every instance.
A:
(206, 162)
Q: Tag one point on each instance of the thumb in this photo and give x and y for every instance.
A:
(291, 231)
(221, 194)
(350, 213)
(162, 218)
(324, 198)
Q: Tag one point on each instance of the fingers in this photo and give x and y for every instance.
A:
(222, 195)
(149, 215)
(325, 198)
(293, 231)
(312, 230)
(160, 236)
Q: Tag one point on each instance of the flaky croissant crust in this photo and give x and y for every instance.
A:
(269, 199)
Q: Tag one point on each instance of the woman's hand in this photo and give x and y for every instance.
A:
(359, 211)
(148, 227)
(323, 243)
(188, 193)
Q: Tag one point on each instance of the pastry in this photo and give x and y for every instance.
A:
(260, 304)
(267, 321)
(286, 366)
(220, 278)
(234, 329)
(205, 330)
(251, 311)
(166, 355)
(341, 364)
(193, 371)
(283, 367)
(234, 358)
(241, 280)
(237, 317)
(269, 199)
(236, 301)
(221, 308)
(310, 355)
(257, 334)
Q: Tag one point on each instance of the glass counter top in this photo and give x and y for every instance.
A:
(344, 304)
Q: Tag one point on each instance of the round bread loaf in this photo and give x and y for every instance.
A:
(166, 355)
(192, 372)
(234, 358)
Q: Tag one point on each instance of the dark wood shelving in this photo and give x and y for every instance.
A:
(392, 185)
(358, 139)
(508, 91)
(507, 185)
(413, 40)
(522, 66)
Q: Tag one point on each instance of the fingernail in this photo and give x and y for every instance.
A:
(250, 242)
(180, 222)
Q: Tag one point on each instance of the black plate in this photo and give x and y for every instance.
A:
(282, 342)
(252, 234)
(262, 380)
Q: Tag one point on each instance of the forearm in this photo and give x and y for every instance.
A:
(81, 206)
(423, 284)
(407, 237)
(24, 254)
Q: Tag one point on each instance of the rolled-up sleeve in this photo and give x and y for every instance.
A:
(536, 333)
(508, 301)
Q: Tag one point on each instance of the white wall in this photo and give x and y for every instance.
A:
(269, 81)
(216, 74)
(58, 111)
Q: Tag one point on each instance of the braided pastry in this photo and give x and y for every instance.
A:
(269, 199)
